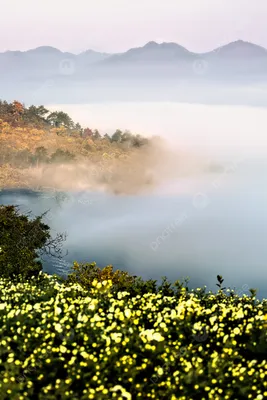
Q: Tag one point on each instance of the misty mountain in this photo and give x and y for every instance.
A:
(46, 74)
(239, 49)
(152, 52)
(45, 62)
(49, 62)
(91, 56)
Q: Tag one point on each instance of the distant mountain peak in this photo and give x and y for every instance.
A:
(46, 49)
(151, 44)
(152, 51)
(242, 48)
(241, 43)
(163, 45)
(91, 52)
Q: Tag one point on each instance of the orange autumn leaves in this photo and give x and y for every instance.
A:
(18, 107)
(18, 138)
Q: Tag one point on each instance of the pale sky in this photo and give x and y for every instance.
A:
(117, 25)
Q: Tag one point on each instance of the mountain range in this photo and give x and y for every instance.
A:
(238, 48)
(24, 72)
(52, 61)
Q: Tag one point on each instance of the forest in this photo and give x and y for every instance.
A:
(34, 136)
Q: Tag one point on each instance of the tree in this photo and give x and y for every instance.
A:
(37, 112)
(127, 139)
(23, 158)
(6, 110)
(62, 156)
(107, 137)
(88, 133)
(59, 118)
(126, 136)
(41, 155)
(18, 108)
(23, 241)
(96, 135)
(117, 136)
(11, 112)
(35, 116)
(79, 129)
(139, 141)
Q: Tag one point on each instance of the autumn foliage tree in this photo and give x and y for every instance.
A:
(33, 136)
(18, 108)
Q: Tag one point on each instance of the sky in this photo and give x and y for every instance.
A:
(117, 25)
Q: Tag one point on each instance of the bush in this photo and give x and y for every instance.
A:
(62, 156)
(61, 341)
(86, 273)
(22, 240)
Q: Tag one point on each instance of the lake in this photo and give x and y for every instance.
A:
(197, 224)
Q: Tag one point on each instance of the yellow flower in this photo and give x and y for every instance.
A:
(240, 314)
(157, 336)
(236, 331)
(62, 349)
(3, 306)
(58, 328)
(127, 313)
(58, 310)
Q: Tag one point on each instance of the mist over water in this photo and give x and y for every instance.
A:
(206, 215)
(216, 131)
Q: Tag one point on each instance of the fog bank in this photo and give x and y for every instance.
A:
(208, 217)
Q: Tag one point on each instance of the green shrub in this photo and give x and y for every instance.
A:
(22, 240)
(86, 273)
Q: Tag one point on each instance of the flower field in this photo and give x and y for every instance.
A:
(60, 341)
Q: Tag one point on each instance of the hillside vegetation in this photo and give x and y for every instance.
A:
(33, 139)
